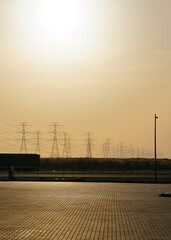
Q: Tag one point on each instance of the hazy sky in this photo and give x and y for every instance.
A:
(102, 66)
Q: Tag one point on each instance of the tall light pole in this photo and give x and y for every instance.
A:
(155, 148)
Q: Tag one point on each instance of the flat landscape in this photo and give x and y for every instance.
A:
(72, 210)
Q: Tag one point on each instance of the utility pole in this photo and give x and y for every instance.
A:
(131, 151)
(23, 148)
(37, 151)
(155, 148)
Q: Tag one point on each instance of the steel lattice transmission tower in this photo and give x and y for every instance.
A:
(23, 148)
(138, 151)
(37, 151)
(65, 147)
(131, 151)
(107, 148)
(114, 151)
(106, 152)
(121, 150)
(89, 145)
(55, 148)
(69, 147)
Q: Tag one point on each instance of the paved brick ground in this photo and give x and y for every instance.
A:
(49, 210)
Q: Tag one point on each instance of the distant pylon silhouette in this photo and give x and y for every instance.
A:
(117, 151)
(104, 150)
(89, 145)
(37, 151)
(126, 152)
(55, 149)
(108, 153)
(121, 150)
(65, 148)
(131, 151)
(114, 151)
(138, 151)
(23, 148)
(69, 147)
(142, 153)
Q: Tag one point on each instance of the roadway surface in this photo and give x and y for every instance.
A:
(72, 210)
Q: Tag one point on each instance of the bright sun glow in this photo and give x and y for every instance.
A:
(56, 29)
(59, 17)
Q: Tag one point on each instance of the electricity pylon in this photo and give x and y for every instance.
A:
(138, 151)
(117, 150)
(69, 147)
(131, 151)
(121, 150)
(114, 151)
(108, 154)
(65, 147)
(104, 150)
(23, 148)
(126, 152)
(142, 153)
(37, 151)
(89, 145)
(55, 148)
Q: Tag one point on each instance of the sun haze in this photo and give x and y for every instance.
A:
(99, 66)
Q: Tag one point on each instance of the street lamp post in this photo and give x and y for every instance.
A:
(155, 150)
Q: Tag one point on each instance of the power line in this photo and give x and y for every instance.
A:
(6, 122)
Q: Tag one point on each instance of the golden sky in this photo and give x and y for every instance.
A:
(99, 66)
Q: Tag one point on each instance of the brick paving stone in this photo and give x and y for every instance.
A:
(61, 210)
